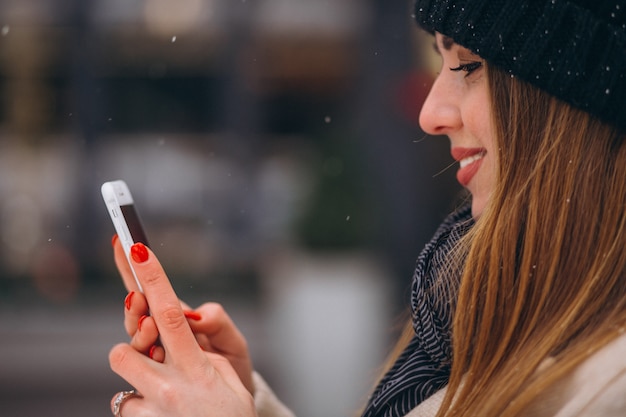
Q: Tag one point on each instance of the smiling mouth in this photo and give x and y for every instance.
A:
(471, 159)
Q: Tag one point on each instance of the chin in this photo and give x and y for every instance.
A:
(478, 206)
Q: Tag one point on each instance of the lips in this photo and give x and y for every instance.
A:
(470, 160)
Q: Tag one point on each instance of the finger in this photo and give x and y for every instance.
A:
(216, 332)
(157, 353)
(215, 323)
(176, 335)
(146, 335)
(121, 261)
(136, 306)
(117, 406)
(137, 369)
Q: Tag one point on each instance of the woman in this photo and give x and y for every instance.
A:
(519, 302)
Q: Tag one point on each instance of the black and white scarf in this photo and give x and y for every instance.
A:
(424, 366)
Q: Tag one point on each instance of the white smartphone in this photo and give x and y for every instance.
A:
(121, 208)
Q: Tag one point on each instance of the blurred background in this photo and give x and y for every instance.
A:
(274, 154)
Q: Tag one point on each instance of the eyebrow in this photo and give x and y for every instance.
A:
(447, 44)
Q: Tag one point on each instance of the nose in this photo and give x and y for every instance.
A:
(440, 113)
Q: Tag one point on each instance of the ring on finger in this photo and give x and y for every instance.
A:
(120, 398)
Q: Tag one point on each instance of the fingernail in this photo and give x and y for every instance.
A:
(192, 315)
(141, 319)
(114, 239)
(139, 252)
(151, 353)
(128, 300)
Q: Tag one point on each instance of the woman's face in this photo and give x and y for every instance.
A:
(458, 106)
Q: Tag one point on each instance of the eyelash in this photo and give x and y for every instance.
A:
(469, 68)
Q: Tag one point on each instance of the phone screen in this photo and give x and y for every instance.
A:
(134, 225)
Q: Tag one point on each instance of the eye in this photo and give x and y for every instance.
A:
(468, 68)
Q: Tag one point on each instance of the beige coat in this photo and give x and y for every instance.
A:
(596, 389)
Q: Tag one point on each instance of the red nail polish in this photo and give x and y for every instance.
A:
(141, 319)
(128, 300)
(192, 315)
(151, 353)
(114, 239)
(139, 252)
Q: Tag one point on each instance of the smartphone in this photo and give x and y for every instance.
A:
(121, 207)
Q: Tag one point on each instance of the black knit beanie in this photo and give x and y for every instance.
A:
(573, 49)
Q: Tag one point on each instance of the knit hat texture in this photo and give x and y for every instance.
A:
(573, 49)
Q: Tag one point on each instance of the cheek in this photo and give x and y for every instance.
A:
(479, 124)
(478, 121)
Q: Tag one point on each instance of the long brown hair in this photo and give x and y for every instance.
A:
(545, 274)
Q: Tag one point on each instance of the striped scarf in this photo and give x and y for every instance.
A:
(424, 366)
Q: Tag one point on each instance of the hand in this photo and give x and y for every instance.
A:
(190, 382)
(214, 329)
